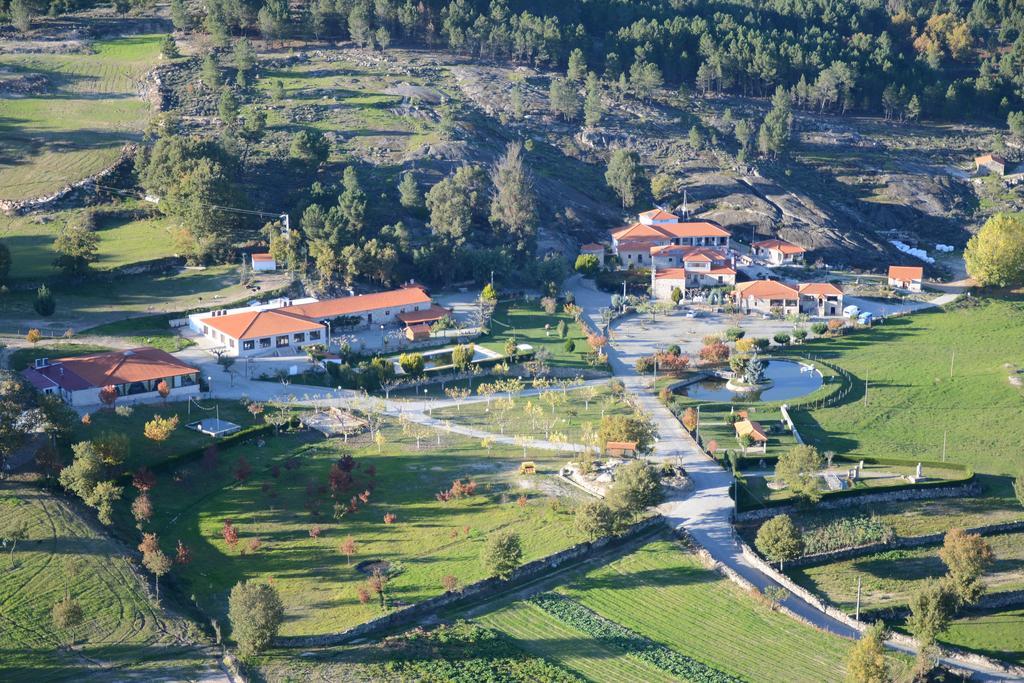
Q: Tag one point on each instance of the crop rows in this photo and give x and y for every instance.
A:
(576, 615)
(544, 635)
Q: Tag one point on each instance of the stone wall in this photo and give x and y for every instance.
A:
(481, 589)
(898, 542)
(954, 491)
(14, 207)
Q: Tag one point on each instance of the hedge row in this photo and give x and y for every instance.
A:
(247, 434)
(583, 619)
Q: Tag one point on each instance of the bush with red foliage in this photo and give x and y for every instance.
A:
(144, 480)
(230, 533)
(390, 518)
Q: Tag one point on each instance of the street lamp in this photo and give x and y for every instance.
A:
(383, 340)
(209, 386)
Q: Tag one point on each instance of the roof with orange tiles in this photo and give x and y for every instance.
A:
(779, 245)
(262, 257)
(639, 230)
(906, 272)
(254, 324)
(670, 274)
(592, 247)
(694, 229)
(754, 429)
(428, 315)
(820, 289)
(636, 245)
(766, 289)
(141, 364)
(659, 215)
(721, 270)
(362, 303)
(986, 158)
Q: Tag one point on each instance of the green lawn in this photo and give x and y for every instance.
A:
(124, 635)
(664, 593)
(78, 126)
(145, 452)
(889, 578)
(279, 503)
(122, 240)
(713, 427)
(996, 634)
(525, 321)
(912, 400)
(19, 359)
(564, 412)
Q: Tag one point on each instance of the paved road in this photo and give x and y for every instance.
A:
(705, 512)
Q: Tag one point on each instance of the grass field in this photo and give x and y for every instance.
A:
(997, 634)
(713, 427)
(90, 109)
(145, 452)
(558, 411)
(525, 321)
(288, 492)
(122, 240)
(662, 592)
(889, 578)
(124, 635)
(912, 400)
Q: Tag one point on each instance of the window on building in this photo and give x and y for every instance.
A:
(248, 345)
(282, 340)
(314, 334)
(265, 343)
(232, 342)
(299, 337)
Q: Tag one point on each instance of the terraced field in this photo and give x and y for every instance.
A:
(80, 119)
(663, 593)
(124, 634)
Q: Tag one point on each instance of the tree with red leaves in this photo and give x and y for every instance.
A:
(521, 501)
(365, 497)
(363, 595)
(715, 352)
(149, 544)
(242, 469)
(144, 480)
(142, 509)
(183, 555)
(164, 390)
(378, 584)
(390, 518)
(348, 548)
(338, 478)
(108, 395)
(230, 533)
(315, 531)
(255, 544)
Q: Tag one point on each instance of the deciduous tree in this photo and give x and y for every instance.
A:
(779, 540)
(866, 662)
(966, 556)
(502, 553)
(798, 468)
(995, 256)
(256, 614)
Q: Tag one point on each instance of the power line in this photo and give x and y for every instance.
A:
(283, 217)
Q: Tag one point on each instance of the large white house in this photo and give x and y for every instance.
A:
(819, 299)
(633, 244)
(776, 252)
(286, 327)
(688, 268)
(135, 374)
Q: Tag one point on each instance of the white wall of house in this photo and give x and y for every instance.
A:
(195, 319)
(87, 398)
(828, 307)
(264, 265)
(282, 344)
(754, 304)
(909, 285)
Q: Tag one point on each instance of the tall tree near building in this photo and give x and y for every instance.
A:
(779, 540)
(623, 175)
(966, 557)
(513, 204)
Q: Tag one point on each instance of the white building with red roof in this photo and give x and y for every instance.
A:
(285, 327)
(820, 299)
(593, 249)
(689, 268)
(632, 244)
(776, 252)
(135, 374)
(909, 278)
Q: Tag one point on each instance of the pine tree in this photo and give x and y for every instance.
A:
(169, 48)
(593, 107)
(577, 66)
(514, 205)
(409, 192)
(210, 72)
(623, 175)
(180, 17)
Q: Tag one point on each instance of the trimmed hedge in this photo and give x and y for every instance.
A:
(235, 439)
(632, 643)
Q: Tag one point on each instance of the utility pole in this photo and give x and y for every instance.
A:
(857, 614)
(865, 392)
(952, 355)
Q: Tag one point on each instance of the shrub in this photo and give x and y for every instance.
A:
(256, 614)
(587, 264)
(819, 329)
(799, 334)
(502, 554)
(734, 333)
(781, 338)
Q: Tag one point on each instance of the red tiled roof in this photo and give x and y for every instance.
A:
(254, 324)
(779, 245)
(670, 274)
(694, 229)
(766, 289)
(639, 230)
(593, 246)
(906, 272)
(637, 245)
(262, 257)
(820, 289)
(754, 429)
(985, 158)
(659, 215)
(722, 270)
(362, 303)
(429, 315)
(140, 364)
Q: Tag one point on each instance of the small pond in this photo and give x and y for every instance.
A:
(789, 380)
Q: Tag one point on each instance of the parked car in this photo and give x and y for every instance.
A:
(851, 311)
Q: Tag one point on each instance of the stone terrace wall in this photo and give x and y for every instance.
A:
(954, 491)
(475, 591)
